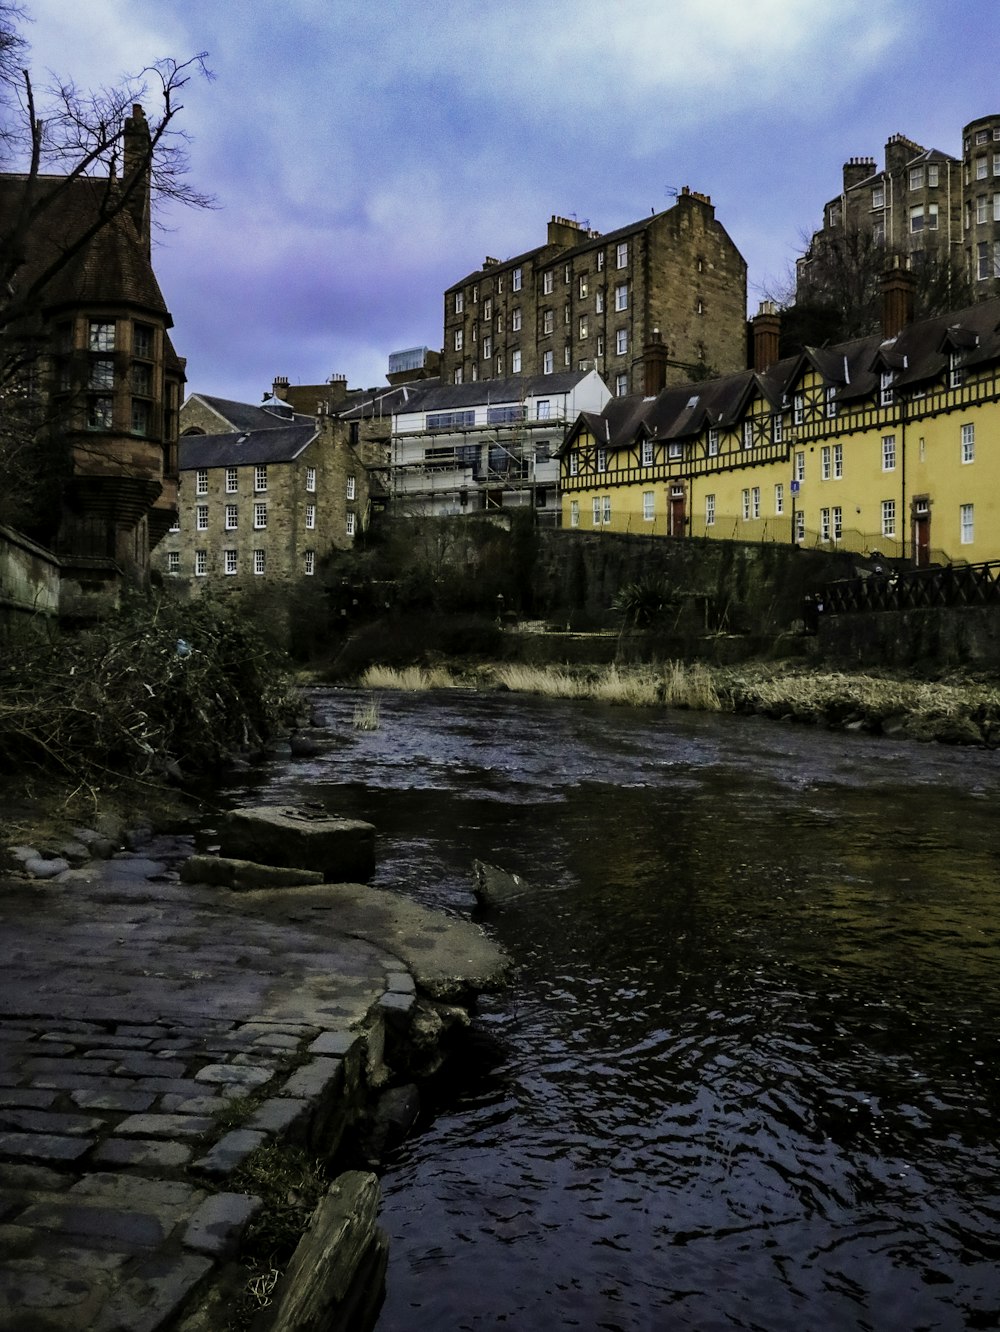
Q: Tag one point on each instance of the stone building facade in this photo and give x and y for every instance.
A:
(923, 202)
(586, 301)
(265, 493)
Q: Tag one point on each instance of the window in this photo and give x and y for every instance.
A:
(955, 372)
(548, 362)
(475, 294)
(309, 563)
(175, 526)
(567, 314)
(713, 441)
(755, 502)
(878, 232)
(311, 479)
(201, 481)
(459, 302)
(459, 339)
(779, 498)
(310, 516)
(621, 255)
(982, 136)
(515, 362)
(457, 376)
(260, 478)
(232, 517)
(599, 301)
(567, 354)
(567, 274)
(996, 164)
(173, 561)
(574, 463)
(574, 513)
(582, 287)
(142, 341)
(621, 341)
(621, 385)
(800, 525)
(648, 503)
(606, 509)
(824, 524)
(825, 463)
(888, 518)
(776, 428)
(515, 320)
(885, 389)
(878, 196)
(798, 408)
(488, 308)
(232, 480)
(584, 326)
(543, 409)
(100, 413)
(487, 347)
(260, 516)
(350, 524)
(201, 517)
(548, 321)
(260, 562)
(647, 453)
(984, 269)
(982, 211)
(967, 521)
(968, 443)
(601, 462)
(675, 449)
(748, 433)
(800, 465)
(547, 281)
(916, 178)
(101, 336)
(981, 172)
(621, 296)
(600, 261)
(838, 461)
(830, 399)
(515, 280)
(838, 523)
(230, 561)
(200, 563)
(888, 453)
(745, 499)
(597, 512)
(709, 510)
(139, 423)
(833, 217)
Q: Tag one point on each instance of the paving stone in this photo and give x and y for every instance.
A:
(91, 1081)
(40, 1097)
(164, 1126)
(56, 1048)
(31, 1296)
(192, 1105)
(125, 1231)
(170, 1086)
(170, 1198)
(16, 1176)
(44, 1146)
(150, 1066)
(280, 1114)
(230, 1151)
(142, 1154)
(400, 982)
(236, 1075)
(219, 1223)
(314, 1079)
(399, 1004)
(113, 1099)
(147, 1032)
(49, 1121)
(334, 1043)
(41, 1065)
(277, 1042)
(150, 1299)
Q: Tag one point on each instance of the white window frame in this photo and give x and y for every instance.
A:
(777, 428)
(201, 563)
(648, 506)
(621, 255)
(309, 563)
(601, 460)
(621, 342)
(515, 320)
(798, 408)
(888, 528)
(574, 513)
(232, 480)
(201, 481)
(515, 280)
(548, 362)
(311, 480)
(621, 296)
(231, 561)
(755, 501)
(888, 453)
(259, 517)
(713, 441)
(837, 516)
(260, 477)
(824, 524)
(967, 524)
(596, 509)
(838, 462)
(825, 463)
(548, 280)
(232, 517)
(886, 392)
(351, 523)
(745, 504)
(310, 517)
(830, 402)
(621, 385)
(173, 561)
(351, 487)
(459, 339)
(606, 509)
(201, 518)
(968, 443)
(646, 454)
(259, 562)
(515, 361)
(779, 498)
(710, 510)
(800, 465)
(459, 302)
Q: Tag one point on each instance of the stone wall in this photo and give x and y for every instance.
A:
(960, 637)
(29, 582)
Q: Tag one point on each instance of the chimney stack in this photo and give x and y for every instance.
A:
(654, 365)
(898, 285)
(766, 332)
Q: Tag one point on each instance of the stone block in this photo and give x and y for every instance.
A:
(342, 850)
(244, 1076)
(317, 1079)
(338, 1043)
(245, 875)
(230, 1151)
(218, 1224)
(43, 1146)
(165, 1126)
(142, 1154)
(153, 1296)
(281, 1115)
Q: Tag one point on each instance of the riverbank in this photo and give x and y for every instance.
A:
(952, 710)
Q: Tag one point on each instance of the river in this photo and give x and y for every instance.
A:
(747, 1074)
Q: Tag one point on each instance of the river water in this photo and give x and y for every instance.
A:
(747, 1074)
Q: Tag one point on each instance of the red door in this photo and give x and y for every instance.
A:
(921, 531)
(676, 525)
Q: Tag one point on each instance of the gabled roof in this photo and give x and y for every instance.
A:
(241, 448)
(432, 395)
(243, 416)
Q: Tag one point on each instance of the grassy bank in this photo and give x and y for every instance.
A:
(956, 712)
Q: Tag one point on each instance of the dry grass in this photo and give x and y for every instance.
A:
(367, 715)
(409, 678)
(690, 685)
(545, 680)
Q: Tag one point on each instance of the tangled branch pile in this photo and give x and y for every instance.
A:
(162, 684)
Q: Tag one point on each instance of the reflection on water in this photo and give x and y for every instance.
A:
(747, 1076)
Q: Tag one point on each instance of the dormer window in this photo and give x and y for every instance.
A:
(885, 394)
(956, 374)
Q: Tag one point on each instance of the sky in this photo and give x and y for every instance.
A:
(366, 154)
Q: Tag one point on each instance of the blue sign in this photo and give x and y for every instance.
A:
(796, 486)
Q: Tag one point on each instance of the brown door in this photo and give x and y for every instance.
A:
(921, 531)
(676, 526)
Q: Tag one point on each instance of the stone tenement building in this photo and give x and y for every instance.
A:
(583, 301)
(266, 492)
(923, 201)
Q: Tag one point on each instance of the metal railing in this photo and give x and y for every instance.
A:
(916, 589)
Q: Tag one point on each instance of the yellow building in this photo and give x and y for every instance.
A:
(887, 446)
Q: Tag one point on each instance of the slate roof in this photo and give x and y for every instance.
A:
(245, 416)
(432, 395)
(242, 448)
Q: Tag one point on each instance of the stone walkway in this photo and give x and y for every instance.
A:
(137, 1014)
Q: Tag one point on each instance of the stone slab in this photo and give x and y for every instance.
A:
(342, 850)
